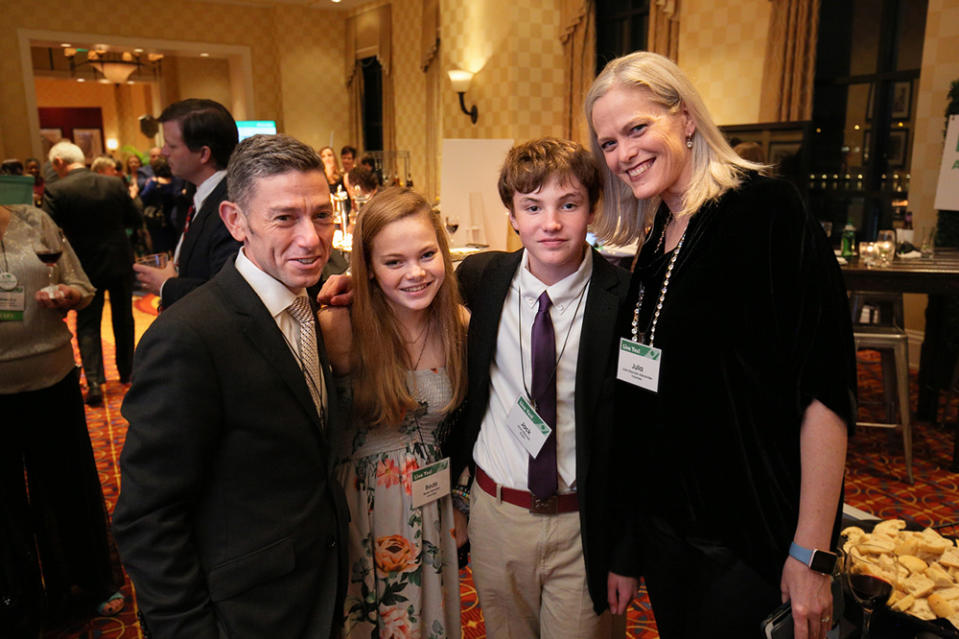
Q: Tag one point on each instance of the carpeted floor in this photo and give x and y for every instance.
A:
(875, 482)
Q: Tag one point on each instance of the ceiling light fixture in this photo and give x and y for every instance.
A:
(115, 67)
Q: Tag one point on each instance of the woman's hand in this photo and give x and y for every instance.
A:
(620, 591)
(811, 597)
(64, 297)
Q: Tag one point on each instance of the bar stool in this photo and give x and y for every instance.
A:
(895, 380)
(877, 308)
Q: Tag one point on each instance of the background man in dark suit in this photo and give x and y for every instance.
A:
(229, 521)
(94, 212)
(199, 136)
(547, 559)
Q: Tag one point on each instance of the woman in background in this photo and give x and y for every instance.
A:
(133, 165)
(331, 167)
(159, 198)
(403, 347)
(45, 438)
(741, 434)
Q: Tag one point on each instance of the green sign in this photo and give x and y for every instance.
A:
(432, 469)
(638, 349)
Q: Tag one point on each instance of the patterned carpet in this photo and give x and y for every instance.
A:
(875, 482)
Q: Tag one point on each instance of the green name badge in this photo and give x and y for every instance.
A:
(639, 364)
(527, 426)
(431, 482)
(12, 303)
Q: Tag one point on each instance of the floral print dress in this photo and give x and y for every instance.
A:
(404, 582)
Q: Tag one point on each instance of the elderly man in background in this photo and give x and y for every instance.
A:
(94, 212)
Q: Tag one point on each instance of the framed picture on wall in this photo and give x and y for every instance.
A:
(898, 145)
(49, 137)
(779, 151)
(901, 99)
(90, 141)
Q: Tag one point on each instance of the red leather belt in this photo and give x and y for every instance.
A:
(555, 505)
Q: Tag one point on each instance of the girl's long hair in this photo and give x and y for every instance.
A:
(380, 392)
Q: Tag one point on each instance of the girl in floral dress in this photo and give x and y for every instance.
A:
(403, 349)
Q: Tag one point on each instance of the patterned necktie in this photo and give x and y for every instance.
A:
(189, 218)
(542, 469)
(309, 358)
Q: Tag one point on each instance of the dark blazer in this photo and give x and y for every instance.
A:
(94, 212)
(206, 247)
(229, 522)
(485, 279)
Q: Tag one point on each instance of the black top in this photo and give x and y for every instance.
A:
(755, 325)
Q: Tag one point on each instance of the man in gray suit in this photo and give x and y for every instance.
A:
(229, 521)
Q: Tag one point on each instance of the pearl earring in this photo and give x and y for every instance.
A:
(689, 142)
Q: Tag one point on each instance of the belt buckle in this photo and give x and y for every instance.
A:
(548, 506)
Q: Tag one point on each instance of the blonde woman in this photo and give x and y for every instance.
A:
(740, 434)
(403, 347)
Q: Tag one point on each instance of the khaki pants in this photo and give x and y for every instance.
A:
(529, 573)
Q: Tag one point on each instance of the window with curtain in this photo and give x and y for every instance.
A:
(622, 27)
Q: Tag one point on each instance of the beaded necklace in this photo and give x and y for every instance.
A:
(636, 335)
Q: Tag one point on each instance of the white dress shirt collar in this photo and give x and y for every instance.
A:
(562, 293)
(204, 189)
(273, 293)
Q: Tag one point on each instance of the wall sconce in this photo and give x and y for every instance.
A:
(461, 83)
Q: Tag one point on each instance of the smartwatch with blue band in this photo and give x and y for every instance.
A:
(818, 560)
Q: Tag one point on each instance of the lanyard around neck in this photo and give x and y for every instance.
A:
(636, 335)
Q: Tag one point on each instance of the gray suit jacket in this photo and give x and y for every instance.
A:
(229, 522)
(94, 212)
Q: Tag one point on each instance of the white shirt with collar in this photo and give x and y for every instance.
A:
(276, 297)
(497, 451)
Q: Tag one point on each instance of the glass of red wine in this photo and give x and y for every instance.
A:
(452, 224)
(49, 247)
(870, 572)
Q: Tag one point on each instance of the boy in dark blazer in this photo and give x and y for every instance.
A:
(549, 550)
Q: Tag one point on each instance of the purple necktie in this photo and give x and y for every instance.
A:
(542, 469)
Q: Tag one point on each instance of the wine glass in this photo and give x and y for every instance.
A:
(49, 247)
(452, 224)
(886, 245)
(869, 571)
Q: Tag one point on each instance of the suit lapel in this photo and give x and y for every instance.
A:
(485, 319)
(211, 207)
(264, 335)
(600, 318)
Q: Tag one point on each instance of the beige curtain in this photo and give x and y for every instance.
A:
(790, 64)
(429, 62)
(355, 87)
(578, 36)
(430, 36)
(664, 28)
